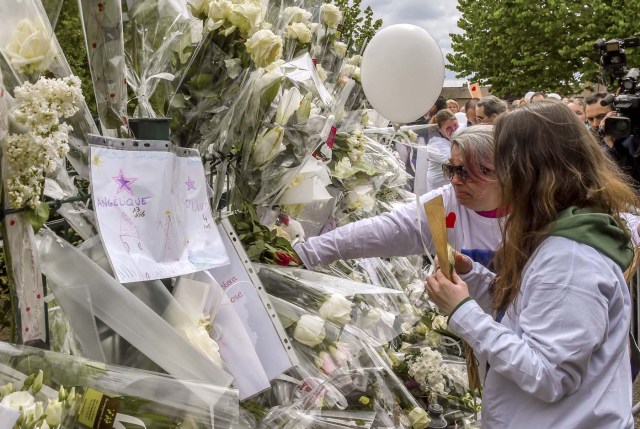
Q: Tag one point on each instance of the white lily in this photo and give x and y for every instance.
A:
(267, 146)
(289, 103)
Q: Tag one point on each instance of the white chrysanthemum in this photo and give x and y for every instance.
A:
(429, 371)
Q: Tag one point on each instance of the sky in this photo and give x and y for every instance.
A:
(438, 17)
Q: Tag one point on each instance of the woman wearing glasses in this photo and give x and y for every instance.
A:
(552, 335)
(472, 205)
(431, 157)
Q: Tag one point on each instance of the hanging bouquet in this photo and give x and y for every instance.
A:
(235, 38)
(159, 38)
(62, 391)
(30, 50)
(437, 378)
(373, 309)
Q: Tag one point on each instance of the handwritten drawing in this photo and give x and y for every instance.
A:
(169, 236)
(190, 184)
(130, 239)
(124, 184)
(153, 213)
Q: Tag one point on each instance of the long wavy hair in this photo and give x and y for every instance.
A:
(546, 161)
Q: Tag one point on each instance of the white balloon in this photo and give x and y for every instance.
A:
(402, 72)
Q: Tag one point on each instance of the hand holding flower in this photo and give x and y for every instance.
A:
(446, 294)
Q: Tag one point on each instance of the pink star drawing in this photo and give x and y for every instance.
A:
(190, 184)
(124, 183)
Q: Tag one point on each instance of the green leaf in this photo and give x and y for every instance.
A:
(38, 216)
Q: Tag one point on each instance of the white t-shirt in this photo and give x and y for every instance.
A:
(404, 232)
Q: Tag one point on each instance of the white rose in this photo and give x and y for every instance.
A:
(298, 31)
(340, 48)
(371, 318)
(201, 340)
(348, 70)
(419, 418)
(296, 14)
(219, 11)
(267, 146)
(53, 412)
(356, 74)
(322, 73)
(264, 47)
(336, 309)
(356, 60)
(30, 47)
(310, 330)
(439, 323)
(247, 17)
(198, 8)
(330, 15)
(21, 399)
(289, 103)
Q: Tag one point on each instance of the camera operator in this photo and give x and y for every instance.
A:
(615, 119)
(621, 150)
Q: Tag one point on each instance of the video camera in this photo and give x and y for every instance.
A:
(613, 60)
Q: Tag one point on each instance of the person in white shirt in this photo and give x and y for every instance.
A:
(550, 328)
(431, 157)
(471, 205)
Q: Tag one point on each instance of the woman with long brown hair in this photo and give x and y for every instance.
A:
(550, 328)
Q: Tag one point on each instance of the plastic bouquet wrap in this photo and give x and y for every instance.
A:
(159, 37)
(436, 377)
(52, 390)
(367, 394)
(30, 50)
(374, 271)
(125, 313)
(375, 310)
(102, 25)
(263, 140)
(235, 38)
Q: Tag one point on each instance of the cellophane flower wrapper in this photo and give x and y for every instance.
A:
(434, 376)
(275, 124)
(366, 390)
(382, 314)
(22, 20)
(216, 70)
(102, 25)
(185, 315)
(200, 294)
(327, 50)
(375, 310)
(146, 398)
(318, 408)
(159, 37)
(125, 313)
(369, 175)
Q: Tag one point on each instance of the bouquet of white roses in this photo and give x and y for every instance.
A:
(373, 309)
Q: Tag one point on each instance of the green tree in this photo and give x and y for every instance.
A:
(358, 26)
(519, 45)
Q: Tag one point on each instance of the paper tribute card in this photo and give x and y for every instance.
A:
(153, 210)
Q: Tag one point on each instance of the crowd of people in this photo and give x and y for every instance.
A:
(591, 112)
(545, 228)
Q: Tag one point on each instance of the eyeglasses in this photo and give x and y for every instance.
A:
(481, 119)
(448, 171)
